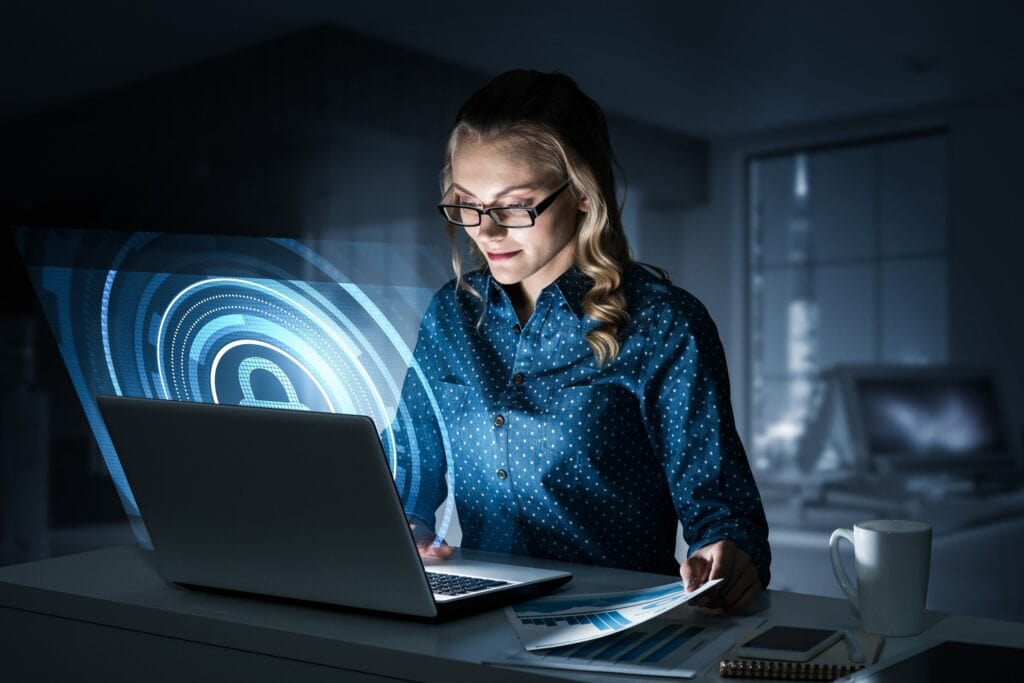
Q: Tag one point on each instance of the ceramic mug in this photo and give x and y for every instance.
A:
(892, 560)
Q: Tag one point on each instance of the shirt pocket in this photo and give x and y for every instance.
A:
(574, 431)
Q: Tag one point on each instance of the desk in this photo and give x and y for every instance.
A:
(975, 537)
(108, 615)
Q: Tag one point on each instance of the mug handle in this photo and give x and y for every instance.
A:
(837, 565)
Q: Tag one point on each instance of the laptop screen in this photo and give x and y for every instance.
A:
(284, 323)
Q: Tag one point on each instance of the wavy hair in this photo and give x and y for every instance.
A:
(548, 121)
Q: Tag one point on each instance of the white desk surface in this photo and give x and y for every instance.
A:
(119, 587)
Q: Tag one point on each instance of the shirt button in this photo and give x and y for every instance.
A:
(519, 378)
(499, 420)
(517, 329)
(502, 474)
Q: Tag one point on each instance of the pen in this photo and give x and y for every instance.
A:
(856, 655)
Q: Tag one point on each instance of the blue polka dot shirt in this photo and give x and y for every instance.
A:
(555, 456)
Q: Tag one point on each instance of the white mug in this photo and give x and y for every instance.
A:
(892, 559)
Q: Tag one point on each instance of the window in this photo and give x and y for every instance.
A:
(848, 248)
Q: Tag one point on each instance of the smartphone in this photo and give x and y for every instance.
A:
(789, 643)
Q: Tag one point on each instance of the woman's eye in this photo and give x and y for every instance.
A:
(517, 205)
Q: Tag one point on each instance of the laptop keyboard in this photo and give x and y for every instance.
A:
(453, 584)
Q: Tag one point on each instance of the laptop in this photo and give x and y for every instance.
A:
(291, 504)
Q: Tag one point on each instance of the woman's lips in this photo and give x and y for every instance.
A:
(502, 256)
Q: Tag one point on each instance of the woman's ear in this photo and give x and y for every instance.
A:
(584, 206)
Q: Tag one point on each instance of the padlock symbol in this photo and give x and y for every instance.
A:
(251, 365)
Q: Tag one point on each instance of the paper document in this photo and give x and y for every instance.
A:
(570, 620)
(679, 645)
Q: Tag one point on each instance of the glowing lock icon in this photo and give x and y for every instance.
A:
(245, 371)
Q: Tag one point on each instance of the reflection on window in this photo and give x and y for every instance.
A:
(848, 248)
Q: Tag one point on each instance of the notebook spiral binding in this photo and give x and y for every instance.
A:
(785, 671)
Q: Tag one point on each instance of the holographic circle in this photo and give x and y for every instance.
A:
(236, 326)
(268, 320)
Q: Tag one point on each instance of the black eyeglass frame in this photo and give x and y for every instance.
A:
(533, 211)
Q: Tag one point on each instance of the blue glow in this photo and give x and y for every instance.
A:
(104, 319)
(413, 366)
(253, 321)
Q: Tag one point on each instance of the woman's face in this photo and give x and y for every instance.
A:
(486, 176)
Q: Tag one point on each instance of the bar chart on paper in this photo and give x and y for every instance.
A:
(559, 621)
(639, 645)
(666, 646)
(602, 620)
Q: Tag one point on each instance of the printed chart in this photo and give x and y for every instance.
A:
(570, 620)
(665, 646)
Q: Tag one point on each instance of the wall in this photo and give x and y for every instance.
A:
(987, 147)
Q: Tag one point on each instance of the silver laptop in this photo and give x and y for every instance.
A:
(291, 504)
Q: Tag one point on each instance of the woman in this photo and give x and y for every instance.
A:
(583, 401)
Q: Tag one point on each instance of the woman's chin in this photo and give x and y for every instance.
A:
(504, 275)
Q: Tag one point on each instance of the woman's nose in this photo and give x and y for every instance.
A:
(489, 228)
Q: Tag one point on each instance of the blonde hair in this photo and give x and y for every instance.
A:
(548, 121)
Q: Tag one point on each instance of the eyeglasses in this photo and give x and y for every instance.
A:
(505, 216)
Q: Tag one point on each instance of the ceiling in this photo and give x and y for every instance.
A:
(713, 69)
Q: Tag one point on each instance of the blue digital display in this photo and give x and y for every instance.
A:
(283, 323)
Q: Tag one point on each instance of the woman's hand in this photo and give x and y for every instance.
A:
(722, 560)
(426, 543)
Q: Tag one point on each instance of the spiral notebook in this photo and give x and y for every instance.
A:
(831, 664)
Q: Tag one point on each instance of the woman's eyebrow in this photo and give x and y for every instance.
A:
(504, 192)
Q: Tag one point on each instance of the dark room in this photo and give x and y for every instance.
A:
(533, 341)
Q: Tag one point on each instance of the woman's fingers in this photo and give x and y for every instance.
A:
(429, 544)
(442, 551)
(724, 560)
(694, 571)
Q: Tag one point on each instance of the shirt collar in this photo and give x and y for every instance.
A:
(572, 286)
